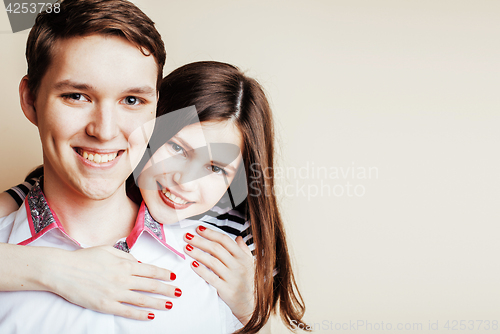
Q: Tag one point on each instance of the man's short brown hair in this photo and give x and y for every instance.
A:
(78, 18)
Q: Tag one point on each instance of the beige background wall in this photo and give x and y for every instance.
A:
(405, 89)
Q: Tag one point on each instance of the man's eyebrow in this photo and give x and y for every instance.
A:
(143, 90)
(68, 84)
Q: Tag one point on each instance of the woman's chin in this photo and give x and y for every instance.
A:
(167, 222)
(167, 219)
(162, 216)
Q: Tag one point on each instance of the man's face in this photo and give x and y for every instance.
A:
(96, 92)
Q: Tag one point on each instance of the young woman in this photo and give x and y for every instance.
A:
(228, 140)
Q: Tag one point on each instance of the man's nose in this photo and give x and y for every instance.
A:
(103, 123)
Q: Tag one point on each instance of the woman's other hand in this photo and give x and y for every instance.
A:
(232, 266)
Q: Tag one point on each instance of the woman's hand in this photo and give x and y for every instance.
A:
(102, 278)
(232, 265)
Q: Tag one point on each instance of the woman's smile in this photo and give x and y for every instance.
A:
(173, 200)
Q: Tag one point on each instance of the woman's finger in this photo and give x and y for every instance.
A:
(215, 249)
(142, 300)
(207, 275)
(130, 312)
(209, 261)
(153, 286)
(244, 246)
(220, 238)
(143, 269)
(152, 271)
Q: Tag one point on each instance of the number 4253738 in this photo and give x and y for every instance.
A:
(24, 8)
(471, 325)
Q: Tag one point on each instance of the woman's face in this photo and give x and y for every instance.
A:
(190, 173)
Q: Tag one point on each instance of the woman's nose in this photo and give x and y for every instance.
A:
(184, 181)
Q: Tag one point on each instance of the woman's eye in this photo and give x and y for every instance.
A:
(131, 100)
(176, 148)
(218, 170)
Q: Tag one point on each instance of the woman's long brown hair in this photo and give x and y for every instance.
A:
(221, 92)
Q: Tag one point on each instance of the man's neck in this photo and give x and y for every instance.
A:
(88, 221)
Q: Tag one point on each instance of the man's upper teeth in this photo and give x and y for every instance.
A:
(99, 158)
(173, 198)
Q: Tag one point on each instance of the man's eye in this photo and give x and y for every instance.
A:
(131, 100)
(75, 96)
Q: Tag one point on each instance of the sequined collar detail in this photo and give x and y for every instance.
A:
(41, 218)
(41, 215)
(146, 223)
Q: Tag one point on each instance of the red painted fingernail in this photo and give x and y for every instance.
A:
(168, 305)
(178, 292)
(151, 316)
(202, 228)
(189, 247)
(139, 261)
(189, 236)
(172, 276)
(195, 264)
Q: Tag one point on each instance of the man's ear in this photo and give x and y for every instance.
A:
(27, 101)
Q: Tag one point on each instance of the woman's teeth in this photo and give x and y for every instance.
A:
(98, 158)
(173, 198)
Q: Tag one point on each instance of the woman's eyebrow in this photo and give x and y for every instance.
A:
(226, 165)
(223, 154)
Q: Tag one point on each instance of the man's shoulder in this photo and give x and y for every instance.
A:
(13, 222)
(7, 220)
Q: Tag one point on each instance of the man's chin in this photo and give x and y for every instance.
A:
(99, 192)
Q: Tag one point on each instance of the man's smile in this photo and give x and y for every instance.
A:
(99, 157)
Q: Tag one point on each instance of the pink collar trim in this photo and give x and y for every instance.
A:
(146, 223)
(41, 218)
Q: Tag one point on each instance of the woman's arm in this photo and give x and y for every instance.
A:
(98, 278)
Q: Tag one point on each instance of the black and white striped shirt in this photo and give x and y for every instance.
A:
(20, 191)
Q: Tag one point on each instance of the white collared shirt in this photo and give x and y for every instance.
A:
(198, 310)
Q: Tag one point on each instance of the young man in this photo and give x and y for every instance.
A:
(94, 70)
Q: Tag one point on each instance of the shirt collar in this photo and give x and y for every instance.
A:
(146, 223)
(41, 219)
